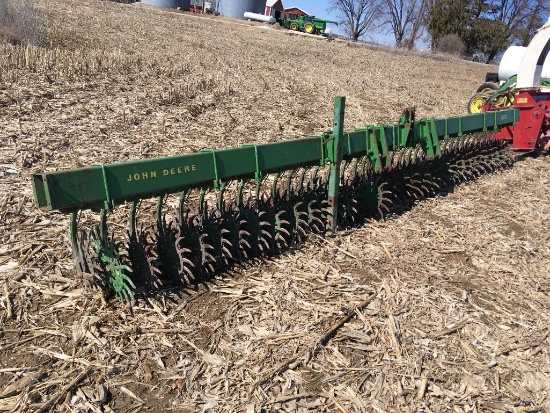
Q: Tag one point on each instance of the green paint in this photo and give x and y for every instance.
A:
(104, 186)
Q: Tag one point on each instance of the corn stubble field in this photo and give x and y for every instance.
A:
(442, 308)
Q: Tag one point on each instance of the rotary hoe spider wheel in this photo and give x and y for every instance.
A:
(261, 200)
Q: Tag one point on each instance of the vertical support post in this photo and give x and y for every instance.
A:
(335, 158)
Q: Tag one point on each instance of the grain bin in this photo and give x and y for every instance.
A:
(237, 8)
(172, 4)
(511, 59)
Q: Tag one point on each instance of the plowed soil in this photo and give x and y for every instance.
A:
(442, 308)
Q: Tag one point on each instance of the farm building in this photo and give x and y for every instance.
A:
(229, 8)
(274, 8)
(295, 10)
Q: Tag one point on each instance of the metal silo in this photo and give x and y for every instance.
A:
(162, 3)
(184, 4)
(237, 8)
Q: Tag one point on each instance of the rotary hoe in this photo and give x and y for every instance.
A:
(219, 208)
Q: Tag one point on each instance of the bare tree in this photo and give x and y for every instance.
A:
(405, 19)
(357, 16)
(18, 22)
(497, 23)
(523, 17)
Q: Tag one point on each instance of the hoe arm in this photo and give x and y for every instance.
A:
(256, 200)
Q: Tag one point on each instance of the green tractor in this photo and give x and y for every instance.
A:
(306, 24)
(498, 96)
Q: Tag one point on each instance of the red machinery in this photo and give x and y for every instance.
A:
(532, 130)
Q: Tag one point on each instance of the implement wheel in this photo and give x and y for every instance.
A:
(294, 26)
(487, 88)
(476, 103)
(309, 28)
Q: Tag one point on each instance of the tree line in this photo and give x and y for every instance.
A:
(465, 26)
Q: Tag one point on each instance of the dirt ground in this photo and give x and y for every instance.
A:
(442, 308)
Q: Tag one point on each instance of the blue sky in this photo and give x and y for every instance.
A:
(319, 8)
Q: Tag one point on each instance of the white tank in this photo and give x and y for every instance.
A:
(509, 64)
(259, 17)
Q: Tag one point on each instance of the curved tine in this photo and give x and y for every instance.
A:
(451, 145)
(434, 182)
(159, 210)
(284, 231)
(289, 182)
(240, 189)
(354, 169)
(244, 241)
(415, 189)
(186, 274)
(426, 186)
(443, 147)
(74, 242)
(202, 203)
(275, 183)
(220, 194)
(343, 167)
(204, 244)
(477, 168)
(461, 173)
(301, 220)
(266, 233)
(482, 166)
(382, 204)
(126, 294)
(302, 228)
(103, 234)
(381, 214)
(297, 213)
(407, 159)
(132, 219)
(388, 161)
(367, 169)
(420, 155)
(259, 184)
(382, 190)
(311, 208)
(314, 177)
(456, 145)
(316, 224)
(301, 188)
(360, 170)
(278, 217)
(181, 205)
(398, 158)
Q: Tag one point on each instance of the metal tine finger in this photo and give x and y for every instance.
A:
(302, 188)
(274, 188)
(290, 178)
